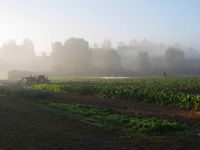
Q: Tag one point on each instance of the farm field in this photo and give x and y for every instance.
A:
(180, 92)
(99, 75)
(97, 113)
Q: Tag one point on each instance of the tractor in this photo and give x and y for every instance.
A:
(39, 79)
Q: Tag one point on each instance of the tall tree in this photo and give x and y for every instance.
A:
(174, 59)
(74, 55)
(143, 63)
(111, 61)
(106, 44)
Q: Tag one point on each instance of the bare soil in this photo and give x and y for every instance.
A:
(27, 127)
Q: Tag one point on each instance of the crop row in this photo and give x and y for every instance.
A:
(116, 120)
(181, 92)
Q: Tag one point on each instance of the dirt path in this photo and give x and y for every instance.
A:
(27, 127)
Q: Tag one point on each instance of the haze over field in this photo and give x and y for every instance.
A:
(100, 37)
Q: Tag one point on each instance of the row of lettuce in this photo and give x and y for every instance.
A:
(101, 117)
(96, 116)
(181, 92)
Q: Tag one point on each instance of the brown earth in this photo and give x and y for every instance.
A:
(27, 127)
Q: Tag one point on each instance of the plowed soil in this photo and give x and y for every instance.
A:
(25, 126)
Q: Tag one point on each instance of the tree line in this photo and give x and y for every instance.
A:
(75, 57)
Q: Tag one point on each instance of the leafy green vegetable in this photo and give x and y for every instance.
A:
(181, 92)
(116, 120)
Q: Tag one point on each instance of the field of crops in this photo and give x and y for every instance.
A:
(120, 108)
(181, 92)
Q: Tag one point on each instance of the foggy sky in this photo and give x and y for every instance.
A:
(46, 21)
